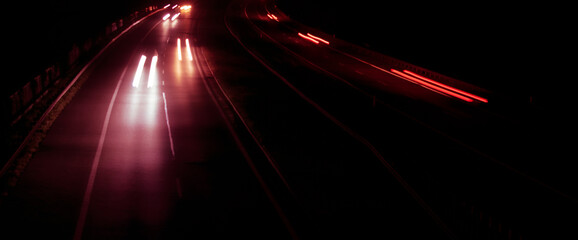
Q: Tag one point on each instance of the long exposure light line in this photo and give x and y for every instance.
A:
(138, 73)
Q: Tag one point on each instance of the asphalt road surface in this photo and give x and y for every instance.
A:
(233, 121)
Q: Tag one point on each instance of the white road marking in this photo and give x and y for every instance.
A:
(95, 162)
(169, 125)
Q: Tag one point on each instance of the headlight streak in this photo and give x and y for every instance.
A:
(152, 81)
(318, 38)
(166, 16)
(175, 16)
(189, 53)
(138, 73)
(180, 56)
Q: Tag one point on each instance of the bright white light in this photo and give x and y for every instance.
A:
(168, 5)
(167, 16)
(175, 16)
(179, 49)
(175, 6)
(153, 73)
(189, 53)
(138, 73)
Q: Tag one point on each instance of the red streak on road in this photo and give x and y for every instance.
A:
(308, 38)
(431, 86)
(467, 94)
(318, 38)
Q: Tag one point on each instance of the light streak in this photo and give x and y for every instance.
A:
(175, 16)
(318, 38)
(467, 94)
(138, 73)
(153, 73)
(308, 38)
(272, 17)
(431, 86)
(179, 49)
(166, 16)
(189, 53)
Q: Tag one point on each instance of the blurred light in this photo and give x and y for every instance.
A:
(308, 38)
(179, 49)
(138, 73)
(175, 16)
(153, 73)
(166, 6)
(318, 38)
(189, 53)
(467, 94)
(175, 6)
(272, 17)
(430, 86)
(186, 8)
(167, 16)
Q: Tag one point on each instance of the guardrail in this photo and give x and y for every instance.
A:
(23, 109)
(22, 100)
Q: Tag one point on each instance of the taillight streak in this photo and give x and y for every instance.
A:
(318, 38)
(467, 94)
(308, 38)
(432, 86)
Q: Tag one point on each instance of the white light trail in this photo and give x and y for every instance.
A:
(175, 16)
(179, 49)
(189, 53)
(153, 73)
(138, 73)
(166, 16)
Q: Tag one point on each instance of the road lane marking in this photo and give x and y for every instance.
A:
(169, 125)
(65, 91)
(95, 162)
(241, 147)
(348, 130)
(462, 92)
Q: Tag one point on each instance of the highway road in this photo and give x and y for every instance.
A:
(230, 120)
(141, 152)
